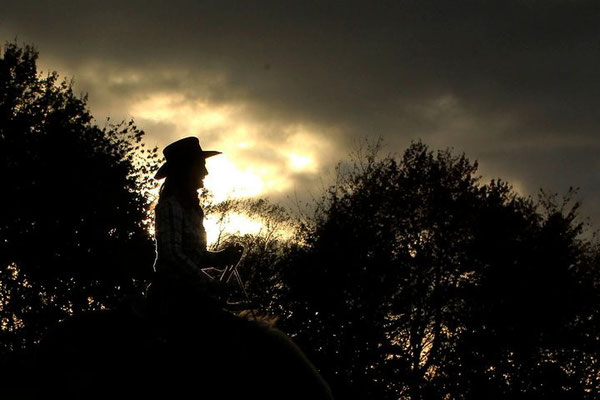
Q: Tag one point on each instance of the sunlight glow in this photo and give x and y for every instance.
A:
(299, 162)
(303, 147)
(258, 158)
(225, 180)
(234, 224)
(176, 109)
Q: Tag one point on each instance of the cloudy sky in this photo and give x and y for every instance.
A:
(286, 88)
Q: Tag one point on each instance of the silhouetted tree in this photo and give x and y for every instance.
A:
(417, 281)
(74, 205)
(530, 328)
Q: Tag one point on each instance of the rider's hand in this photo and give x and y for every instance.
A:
(233, 253)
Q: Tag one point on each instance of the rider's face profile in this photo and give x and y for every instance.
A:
(199, 173)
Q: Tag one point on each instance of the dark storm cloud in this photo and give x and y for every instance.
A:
(512, 83)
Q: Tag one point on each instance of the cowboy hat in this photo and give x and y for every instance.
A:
(181, 152)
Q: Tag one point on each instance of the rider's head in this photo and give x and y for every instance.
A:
(185, 168)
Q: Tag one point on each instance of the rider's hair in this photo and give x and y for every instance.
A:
(179, 185)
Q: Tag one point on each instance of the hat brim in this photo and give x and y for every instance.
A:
(164, 169)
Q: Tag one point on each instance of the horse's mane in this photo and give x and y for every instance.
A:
(264, 319)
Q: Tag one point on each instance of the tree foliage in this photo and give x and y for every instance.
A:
(417, 281)
(74, 206)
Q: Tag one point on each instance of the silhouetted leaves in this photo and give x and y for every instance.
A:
(417, 281)
(74, 206)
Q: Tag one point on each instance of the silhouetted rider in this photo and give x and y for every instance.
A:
(180, 285)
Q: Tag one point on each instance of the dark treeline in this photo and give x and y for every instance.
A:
(412, 280)
(418, 282)
(73, 209)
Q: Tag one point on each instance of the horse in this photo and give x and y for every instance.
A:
(219, 355)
